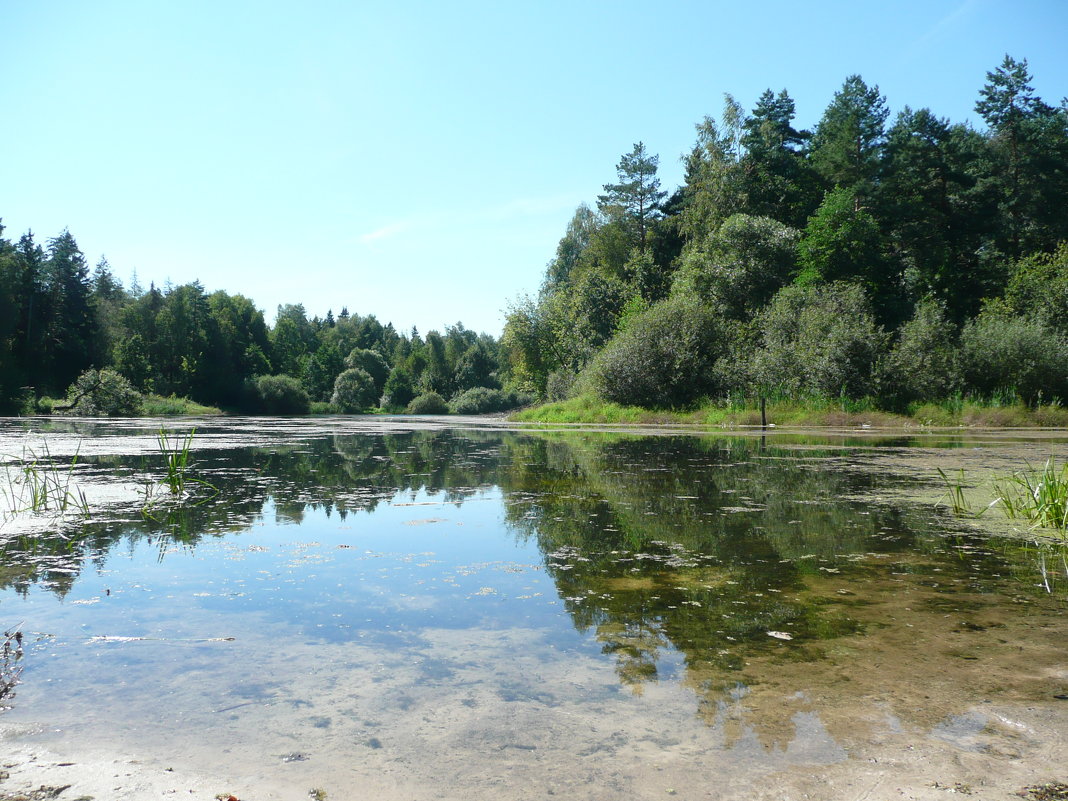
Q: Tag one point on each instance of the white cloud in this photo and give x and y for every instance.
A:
(384, 232)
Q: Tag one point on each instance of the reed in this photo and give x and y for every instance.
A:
(39, 485)
(1038, 496)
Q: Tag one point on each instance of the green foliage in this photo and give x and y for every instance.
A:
(372, 363)
(485, 400)
(1039, 496)
(1011, 355)
(740, 268)
(636, 198)
(277, 395)
(101, 393)
(1038, 285)
(354, 391)
(428, 403)
(819, 340)
(924, 362)
(847, 144)
(664, 358)
(399, 389)
(159, 406)
(841, 242)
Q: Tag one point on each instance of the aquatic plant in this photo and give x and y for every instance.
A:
(176, 477)
(1039, 496)
(955, 494)
(41, 485)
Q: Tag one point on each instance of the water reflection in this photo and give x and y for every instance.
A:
(729, 566)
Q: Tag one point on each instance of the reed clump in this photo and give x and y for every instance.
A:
(1038, 496)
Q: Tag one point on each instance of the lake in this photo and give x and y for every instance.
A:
(444, 608)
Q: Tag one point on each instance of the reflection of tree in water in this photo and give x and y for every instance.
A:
(704, 546)
(335, 475)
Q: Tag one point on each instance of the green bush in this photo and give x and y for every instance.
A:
(399, 389)
(278, 395)
(371, 362)
(924, 363)
(664, 358)
(485, 400)
(102, 393)
(1007, 355)
(820, 340)
(428, 403)
(354, 391)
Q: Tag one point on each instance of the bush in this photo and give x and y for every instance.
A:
(428, 403)
(1007, 355)
(820, 340)
(354, 391)
(102, 393)
(924, 364)
(484, 400)
(371, 362)
(665, 357)
(278, 395)
(398, 391)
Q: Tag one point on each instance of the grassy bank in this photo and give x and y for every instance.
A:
(816, 412)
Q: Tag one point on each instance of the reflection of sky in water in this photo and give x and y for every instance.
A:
(588, 599)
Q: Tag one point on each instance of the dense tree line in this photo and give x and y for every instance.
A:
(68, 331)
(904, 260)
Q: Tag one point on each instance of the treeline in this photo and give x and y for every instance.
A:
(68, 333)
(902, 262)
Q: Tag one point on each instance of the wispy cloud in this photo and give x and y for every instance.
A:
(517, 209)
(941, 28)
(385, 232)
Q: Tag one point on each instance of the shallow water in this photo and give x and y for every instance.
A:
(438, 610)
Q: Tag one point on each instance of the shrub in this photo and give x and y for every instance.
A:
(354, 391)
(820, 340)
(102, 393)
(484, 400)
(428, 403)
(924, 363)
(664, 358)
(1006, 355)
(278, 395)
(371, 362)
(398, 390)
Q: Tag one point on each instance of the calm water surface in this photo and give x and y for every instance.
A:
(448, 611)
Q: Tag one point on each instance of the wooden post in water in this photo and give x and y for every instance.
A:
(763, 412)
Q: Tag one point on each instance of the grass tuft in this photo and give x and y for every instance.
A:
(1038, 496)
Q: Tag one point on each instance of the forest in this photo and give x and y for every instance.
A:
(79, 342)
(893, 263)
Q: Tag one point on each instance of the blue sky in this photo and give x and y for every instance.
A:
(420, 160)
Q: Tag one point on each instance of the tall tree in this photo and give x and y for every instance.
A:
(777, 180)
(848, 141)
(72, 325)
(637, 196)
(1028, 173)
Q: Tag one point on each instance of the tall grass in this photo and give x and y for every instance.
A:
(1038, 496)
(176, 451)
(39, 485)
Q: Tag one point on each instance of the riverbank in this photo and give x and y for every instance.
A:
(952, 414)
